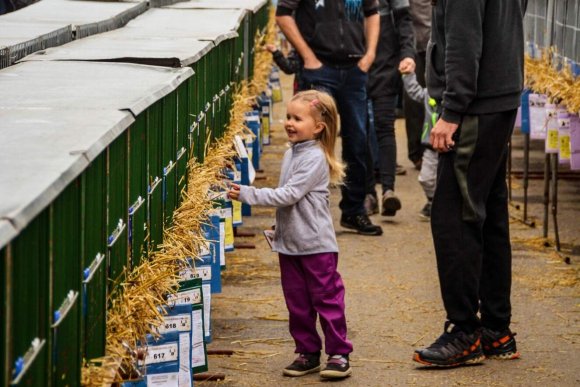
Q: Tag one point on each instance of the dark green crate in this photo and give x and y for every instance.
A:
(66, 272)
(184, 121)
(117, 208)
(194, 109)
(94, 237)
(169, 153)
(155, 172)
(26, 300)
(138, 181)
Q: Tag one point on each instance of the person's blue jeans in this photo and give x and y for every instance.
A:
(348, 87)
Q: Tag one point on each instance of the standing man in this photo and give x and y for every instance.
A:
(395, 53)
(475, 72)
(415, 111)
(337, 41)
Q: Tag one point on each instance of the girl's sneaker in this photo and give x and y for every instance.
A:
(499, 345)
(305, 363)
(337, 367)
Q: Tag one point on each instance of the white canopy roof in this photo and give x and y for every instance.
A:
(43, 150)
(202, 24)
(87, 85)
(120, 46)
(250, 5)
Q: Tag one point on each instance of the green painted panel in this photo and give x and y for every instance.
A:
(138, 181)
(169, 143)
(155, 172)
(184, 121)
(117, 207)
(94, 236)
(66, 271)
(27, 301)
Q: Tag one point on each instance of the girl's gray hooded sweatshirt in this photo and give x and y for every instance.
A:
(303, 221)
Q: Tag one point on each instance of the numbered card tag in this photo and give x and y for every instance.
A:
(180, 323)
(186, 297)
(162, 353)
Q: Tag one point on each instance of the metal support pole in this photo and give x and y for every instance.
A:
(526, 173)
(554, 196)
(546, 193)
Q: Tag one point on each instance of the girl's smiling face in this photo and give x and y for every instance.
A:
(300, 125)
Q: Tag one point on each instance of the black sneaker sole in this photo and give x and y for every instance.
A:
(296, 373)
(377, 232)
(471, 359)
(391, 206)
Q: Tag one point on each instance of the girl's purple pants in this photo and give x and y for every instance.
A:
(312, 286)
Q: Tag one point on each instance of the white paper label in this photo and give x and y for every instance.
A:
(161, 353)
(204, 272)
(184, 359)
(206, 307)
(197, 351)
(205, 249)
(163, 380)
(222, 243)
(537, 116)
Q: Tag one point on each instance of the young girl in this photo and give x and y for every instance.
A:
(304, 236)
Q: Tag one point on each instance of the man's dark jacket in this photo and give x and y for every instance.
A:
(475, 58)
(396, 41)
(333, 29)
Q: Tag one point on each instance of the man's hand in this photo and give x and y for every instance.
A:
(270, 47)
(366, 62)
(312, 63)
(441, 136)
(407, 66)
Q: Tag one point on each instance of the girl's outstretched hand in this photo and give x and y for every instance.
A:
(234, 191)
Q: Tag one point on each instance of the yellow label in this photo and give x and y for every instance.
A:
(552, 140)
(565, 150)
(237, 211)
(229, 232)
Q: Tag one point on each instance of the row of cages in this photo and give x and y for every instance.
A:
(57, 274)
(554, 23)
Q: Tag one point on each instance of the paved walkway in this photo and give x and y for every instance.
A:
(393, 299)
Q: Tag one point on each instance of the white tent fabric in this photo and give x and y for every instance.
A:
(43, 150)
(250, 5)
(202, 24)
(119, 46)
(67, 12)
(87, 85)
(7, 232)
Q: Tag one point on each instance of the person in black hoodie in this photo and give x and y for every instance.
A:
(475, 73)
(395, 52)
(337, 41)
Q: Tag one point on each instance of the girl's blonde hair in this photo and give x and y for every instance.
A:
(324, 111)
